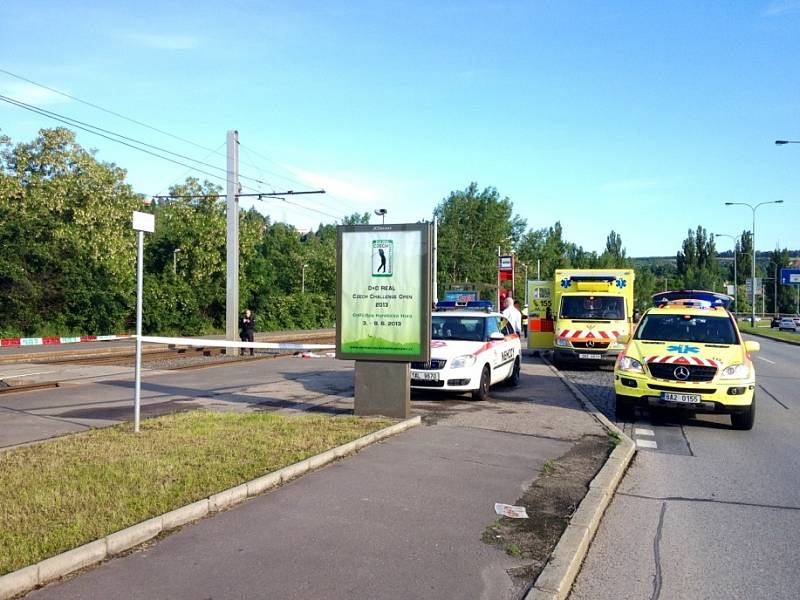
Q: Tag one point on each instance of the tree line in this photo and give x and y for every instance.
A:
(67, 251)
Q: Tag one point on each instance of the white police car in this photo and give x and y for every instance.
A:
(472, 348)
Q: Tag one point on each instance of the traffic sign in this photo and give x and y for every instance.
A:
(790, 276)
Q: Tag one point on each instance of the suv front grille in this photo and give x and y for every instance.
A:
(434, 365)
(667, 371)
(590, 345)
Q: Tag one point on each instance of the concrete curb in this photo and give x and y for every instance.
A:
(29, 578)
(555, 581)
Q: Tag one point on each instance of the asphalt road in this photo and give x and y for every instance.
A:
(705, 511)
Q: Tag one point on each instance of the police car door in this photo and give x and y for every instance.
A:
(502, 352)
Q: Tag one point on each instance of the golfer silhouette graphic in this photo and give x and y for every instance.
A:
(383, 261)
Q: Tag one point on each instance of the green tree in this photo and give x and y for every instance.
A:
(697, 264)
(472, 225)
(68, 249)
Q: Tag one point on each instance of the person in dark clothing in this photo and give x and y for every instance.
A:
(247, 326)
(382, 254)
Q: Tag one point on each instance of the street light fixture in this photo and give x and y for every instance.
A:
(735, 279)
(784, 142)
(175, 260)
(381, 212)
(753, 276)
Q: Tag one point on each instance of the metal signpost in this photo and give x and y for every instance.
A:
(142, 222)
(383, 310)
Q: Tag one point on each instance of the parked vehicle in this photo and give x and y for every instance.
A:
(586, 310)
(472, 348)
(688, 354)
(788, 324)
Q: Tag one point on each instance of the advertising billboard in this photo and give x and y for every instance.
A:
(383, 306)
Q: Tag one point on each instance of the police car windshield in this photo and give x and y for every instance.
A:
(687, 328)
(470, 329)
(601, 308)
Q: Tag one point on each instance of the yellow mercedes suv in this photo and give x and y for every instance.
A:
(687, 353)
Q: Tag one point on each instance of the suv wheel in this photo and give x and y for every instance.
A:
(745, 419)
(624, 409)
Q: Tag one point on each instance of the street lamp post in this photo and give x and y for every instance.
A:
(753, 276)
(735, 279)
(175, 260)
(303, 279)
(784, 142)
(381, 212)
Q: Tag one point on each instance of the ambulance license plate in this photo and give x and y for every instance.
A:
(590, 356)
(424, 375)
(684, 398)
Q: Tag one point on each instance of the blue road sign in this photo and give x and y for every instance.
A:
(790, 276)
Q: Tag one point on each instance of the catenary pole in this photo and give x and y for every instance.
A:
(232, 239)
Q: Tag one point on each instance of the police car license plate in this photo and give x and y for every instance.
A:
(425, 375)
(685, 398)
(590, 356)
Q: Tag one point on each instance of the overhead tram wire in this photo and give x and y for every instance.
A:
(121, 116)
(107, 134)
(83, 125)
(67, 122)
(262, 196)
(110, 112)
(186, 173)
(261, 170)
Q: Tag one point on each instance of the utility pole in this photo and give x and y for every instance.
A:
(435, 266)
(232, 239)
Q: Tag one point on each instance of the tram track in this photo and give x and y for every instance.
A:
(173, 358)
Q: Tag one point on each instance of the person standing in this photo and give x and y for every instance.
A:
(247, 327)
(524, 317)
(513, 316)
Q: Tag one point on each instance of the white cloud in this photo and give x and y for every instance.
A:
(777, 8)
(32, 94)
(165, 42)
(347, 187)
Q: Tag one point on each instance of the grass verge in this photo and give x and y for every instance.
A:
(767, 332)
(78, 488)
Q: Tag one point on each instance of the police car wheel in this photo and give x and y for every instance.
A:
(744, 420)
(513, 379)
(482, 393)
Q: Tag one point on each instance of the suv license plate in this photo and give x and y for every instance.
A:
(424, 376)
(685, 398)
(590, 356)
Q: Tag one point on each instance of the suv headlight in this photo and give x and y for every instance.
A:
(740, 371)
(461, 362)
(626, 363)
(563, 342)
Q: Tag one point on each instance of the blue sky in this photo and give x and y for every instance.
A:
(642, 117)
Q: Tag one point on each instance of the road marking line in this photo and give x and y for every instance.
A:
(646, 444)
(639, 431)
(772, 362)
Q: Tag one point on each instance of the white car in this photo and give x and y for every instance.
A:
(788, 324)
(471, 350)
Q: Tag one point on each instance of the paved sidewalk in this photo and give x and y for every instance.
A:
(401, 519)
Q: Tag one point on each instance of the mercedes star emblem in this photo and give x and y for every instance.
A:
(590, 344)
(681, 373)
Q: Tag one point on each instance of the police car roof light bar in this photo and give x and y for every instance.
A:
(471, 305)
